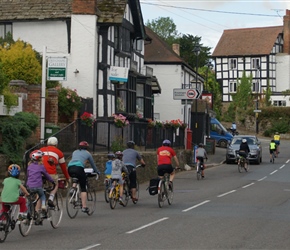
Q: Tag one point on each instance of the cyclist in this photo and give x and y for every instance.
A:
(201, 155)
(51, 159)
(10, 192)
(244, 150)
(130, 155)
(164, 155)
(35, 171)
(272, 148)
(76, 168)
(277, 141)
(234, 128)
(118, 167)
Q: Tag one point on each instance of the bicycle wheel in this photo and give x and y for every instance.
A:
(72, 203)
(170, 194)
(161, 193)
(126, 194)
(113, 198)
(55, 214)
(91, 200)
(25, 225)
(198, 172)
(273, 157)
(107, 191)
(4, 226)
(240, 167)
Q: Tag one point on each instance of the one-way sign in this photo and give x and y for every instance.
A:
(183, 94)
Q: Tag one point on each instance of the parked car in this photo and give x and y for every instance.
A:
(255, 155)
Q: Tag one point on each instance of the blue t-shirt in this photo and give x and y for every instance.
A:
(108, 169)
(130, 156)
(79, 158)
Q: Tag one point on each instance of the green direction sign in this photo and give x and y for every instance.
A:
(59, 73)
(56, 68)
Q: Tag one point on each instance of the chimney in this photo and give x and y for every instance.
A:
(175, 48)
(85, 7)
(286, 32)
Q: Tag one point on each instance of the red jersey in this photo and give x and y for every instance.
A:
(165, 154)
(51, 158)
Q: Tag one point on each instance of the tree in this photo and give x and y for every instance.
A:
(165, 28)
(187, 47)
(19, 61)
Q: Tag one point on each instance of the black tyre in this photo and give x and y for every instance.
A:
(91, 200)
(170, 194)
(72, 203)
(126, 195)
(113, 198)
(107, 190)
(4, 226)
(56, 213)
(240, 167)
(223, 143)
(161, 194)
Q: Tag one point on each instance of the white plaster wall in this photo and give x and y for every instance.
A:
(283, 73)
(83, 56)
(169, 78)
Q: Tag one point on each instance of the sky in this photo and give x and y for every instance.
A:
(208, 19)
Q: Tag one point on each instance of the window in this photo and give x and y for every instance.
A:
(5, 28)
(233, 63)
(122, 39)
(233, 87)
(279, 103)
(140, 100)
(256, 87)
(256, 63)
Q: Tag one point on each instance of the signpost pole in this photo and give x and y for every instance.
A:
(43, 85)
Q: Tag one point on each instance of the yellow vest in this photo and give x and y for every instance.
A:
(276, 137)
(272, 145)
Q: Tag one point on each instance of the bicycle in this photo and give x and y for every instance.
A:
(137, 186)
(199, 169)
(242, 162)
(165, 192)
(52, 214)
(114, 193)
(73, 197)
(273, 156)
(108, 184)
(9, 220)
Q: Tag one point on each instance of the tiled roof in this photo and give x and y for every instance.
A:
(111, 11)
(249, 41)
(34, 9)
(158, 51)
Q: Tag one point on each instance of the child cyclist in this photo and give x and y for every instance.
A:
(35, 171)
(10, 193)
(201, 155)
(118, 167)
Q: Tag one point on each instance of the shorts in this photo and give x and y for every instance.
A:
(277, 142)
(79, 172)
(272, 151)
(166, 168)
(132, 176)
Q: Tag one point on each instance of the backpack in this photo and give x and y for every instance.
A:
(153, 186)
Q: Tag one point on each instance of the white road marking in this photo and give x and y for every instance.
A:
(195, 206)
(262, 178)
(147, 225)
(273, 172)
(221, 195)
(248, 185)
(89, 247)
(282, 166)
(287, 160)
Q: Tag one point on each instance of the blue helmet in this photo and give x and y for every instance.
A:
(166, 143)
(14, 170)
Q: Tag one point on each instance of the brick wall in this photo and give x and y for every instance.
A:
(84, 7)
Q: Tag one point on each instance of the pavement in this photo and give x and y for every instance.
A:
(218, 158)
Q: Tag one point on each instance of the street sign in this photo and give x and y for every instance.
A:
(257, 110)
(56, 68)
(185, 94)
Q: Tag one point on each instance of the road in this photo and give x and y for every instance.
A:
(226, 210)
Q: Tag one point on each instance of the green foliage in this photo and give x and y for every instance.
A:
(187, 44)
(10, 99)
(3, 80)
(268, 94)
(165, 28)
(19, 62)
(117, 144)
(15, 130)
(281, 126)
(68, 101)
(243, 98)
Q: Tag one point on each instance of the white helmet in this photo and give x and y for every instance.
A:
(244, 140)
(52, 141)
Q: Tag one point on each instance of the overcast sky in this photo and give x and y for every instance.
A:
(208, 19)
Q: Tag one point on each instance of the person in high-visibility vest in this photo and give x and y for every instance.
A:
(277, 141)
(272, 148)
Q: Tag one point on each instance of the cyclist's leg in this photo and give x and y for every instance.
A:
(132, 179)
(81, 175)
